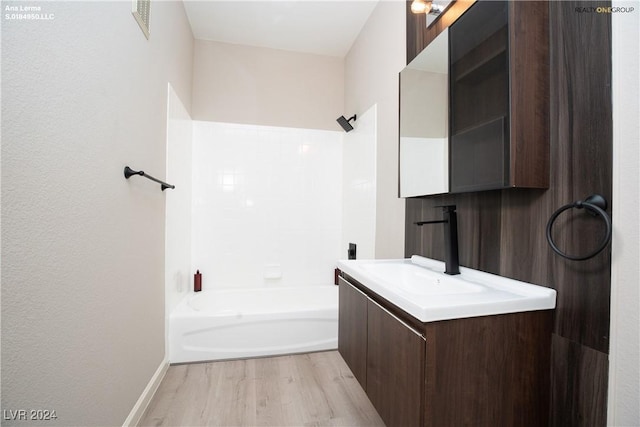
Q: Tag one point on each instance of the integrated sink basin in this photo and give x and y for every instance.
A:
(414, 279)
(419, 286)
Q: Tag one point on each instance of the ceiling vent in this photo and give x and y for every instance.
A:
(141, 11)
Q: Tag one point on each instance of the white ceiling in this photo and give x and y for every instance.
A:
(324, 27)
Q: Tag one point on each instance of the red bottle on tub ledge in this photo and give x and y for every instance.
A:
(197, 281)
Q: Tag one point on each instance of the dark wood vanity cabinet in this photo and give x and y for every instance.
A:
(480, 371)
(384, 354)
(352, 330)
(499, 96)
(395, 368)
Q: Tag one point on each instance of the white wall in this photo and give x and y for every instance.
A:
(267, 205)
(371, 77)
(261, 86)
(359, 187)
(83, 95)
(624, 355)
(178, 275)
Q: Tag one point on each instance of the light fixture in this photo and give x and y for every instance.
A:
(426, 6)
(420, 6)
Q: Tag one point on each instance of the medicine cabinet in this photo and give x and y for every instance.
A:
(424, 121)
(496, 108)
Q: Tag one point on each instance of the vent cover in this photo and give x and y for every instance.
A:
(141, 11)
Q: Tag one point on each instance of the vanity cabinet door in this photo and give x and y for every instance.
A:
(352, 330)
(395, 368)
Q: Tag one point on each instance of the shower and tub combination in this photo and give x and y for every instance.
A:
(252, 322)
(266, 228)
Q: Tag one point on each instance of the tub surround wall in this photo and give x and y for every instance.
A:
(267, 205)
(503, 232)
(371, 77)
(359, 186)
(178, 274)
(83, 95)
(261, 86)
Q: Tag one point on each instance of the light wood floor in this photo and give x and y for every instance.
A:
(315, 389)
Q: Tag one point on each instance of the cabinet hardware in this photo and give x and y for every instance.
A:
(385, 310)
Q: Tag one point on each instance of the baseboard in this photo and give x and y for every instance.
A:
(143, 401)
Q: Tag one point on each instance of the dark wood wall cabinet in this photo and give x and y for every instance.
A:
(503, 231)
(481, 371)
(499, 97)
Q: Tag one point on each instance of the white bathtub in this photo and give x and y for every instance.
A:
(230, 323)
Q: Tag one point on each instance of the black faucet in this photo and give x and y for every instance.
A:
(450, 221)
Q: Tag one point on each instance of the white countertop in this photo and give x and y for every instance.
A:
(420, 287)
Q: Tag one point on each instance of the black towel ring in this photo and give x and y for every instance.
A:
(596, 205)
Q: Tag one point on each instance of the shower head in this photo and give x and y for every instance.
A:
(345, 123)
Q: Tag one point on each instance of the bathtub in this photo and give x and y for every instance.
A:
(239, 323)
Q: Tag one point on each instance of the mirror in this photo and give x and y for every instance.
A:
(424, 121)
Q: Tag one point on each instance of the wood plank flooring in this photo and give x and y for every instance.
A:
(314, 389)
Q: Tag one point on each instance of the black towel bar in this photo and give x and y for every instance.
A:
(128, 172)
